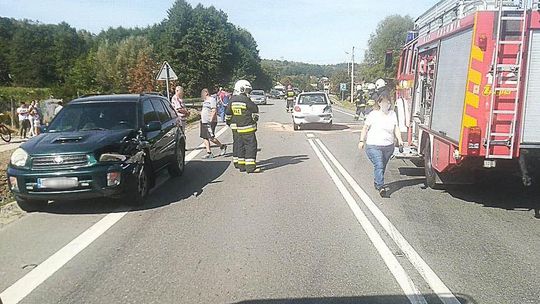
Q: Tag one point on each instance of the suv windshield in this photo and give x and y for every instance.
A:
(257, 93)
(312, 99)
(96, 116)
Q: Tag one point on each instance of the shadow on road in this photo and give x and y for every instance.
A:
(324, 127)
(505, 194)
(382, 299)
(495, 190)
(198, 174)
(400, 184)
(281, 161)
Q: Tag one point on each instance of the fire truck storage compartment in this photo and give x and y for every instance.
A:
(451, 84)
(531, 120)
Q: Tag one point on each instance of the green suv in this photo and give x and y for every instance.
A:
(99, 146)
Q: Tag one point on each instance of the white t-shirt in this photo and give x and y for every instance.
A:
(178, 103)
(381, 128)
(207, 106)
(23, 113)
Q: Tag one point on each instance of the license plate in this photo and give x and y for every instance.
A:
(58, 183)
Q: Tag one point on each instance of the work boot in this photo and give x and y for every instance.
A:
(256, 170)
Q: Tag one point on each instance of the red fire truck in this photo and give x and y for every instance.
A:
(468, 86)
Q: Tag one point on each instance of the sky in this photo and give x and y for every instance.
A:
(313, 31)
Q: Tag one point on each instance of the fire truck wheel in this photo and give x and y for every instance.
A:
(431, 175)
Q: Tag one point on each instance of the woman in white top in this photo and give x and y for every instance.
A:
(380, 129)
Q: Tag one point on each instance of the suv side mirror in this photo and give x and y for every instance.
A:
(43, 129)
(153, 126)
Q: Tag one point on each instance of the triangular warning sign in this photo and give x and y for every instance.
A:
(162, 75)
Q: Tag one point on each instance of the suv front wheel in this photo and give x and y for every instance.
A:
(31, 205)
(136, 196)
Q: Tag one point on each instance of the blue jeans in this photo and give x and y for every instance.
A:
(379, 156)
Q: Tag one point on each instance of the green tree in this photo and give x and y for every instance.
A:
(7, 28)
(31, 61)
(389, 35)
(142, 75)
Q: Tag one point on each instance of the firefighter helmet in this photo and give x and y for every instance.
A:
(380, 83)
(371, 86)
(242, 87)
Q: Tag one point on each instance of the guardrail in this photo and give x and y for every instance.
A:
(195, 103)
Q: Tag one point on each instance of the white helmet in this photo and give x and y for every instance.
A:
(371, 86)
(242, 87)
(380, 83)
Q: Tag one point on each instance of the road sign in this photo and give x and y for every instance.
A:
(166, 72)
(343, 87)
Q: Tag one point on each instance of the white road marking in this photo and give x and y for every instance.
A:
(43, 271)
(342, 112)
(402, 278)
(310, 135)
(25, 285)
(434, 282)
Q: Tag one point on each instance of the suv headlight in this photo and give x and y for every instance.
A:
(19, 158)
(112, 157)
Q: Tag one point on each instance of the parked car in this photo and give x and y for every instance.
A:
(312, 108)
(258, 97)
(274, 94)
(99, 146)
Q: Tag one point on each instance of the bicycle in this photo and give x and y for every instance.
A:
(5, 132)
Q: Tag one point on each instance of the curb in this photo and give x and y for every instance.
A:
(9, 213)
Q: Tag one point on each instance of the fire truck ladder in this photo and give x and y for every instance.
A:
(494, 138)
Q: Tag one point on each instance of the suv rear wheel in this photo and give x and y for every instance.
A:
(176, 167)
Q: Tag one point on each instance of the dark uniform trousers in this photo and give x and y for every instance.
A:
(236, 148)
(247, 151)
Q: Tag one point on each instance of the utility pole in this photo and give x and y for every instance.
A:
(352, 76)
(348, 64)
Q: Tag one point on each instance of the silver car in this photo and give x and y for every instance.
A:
(258, 97)
(312, 108)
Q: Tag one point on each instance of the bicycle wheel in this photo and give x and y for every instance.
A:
(5, 133)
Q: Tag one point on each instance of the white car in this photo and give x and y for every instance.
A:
(312, 108)
(258, 97)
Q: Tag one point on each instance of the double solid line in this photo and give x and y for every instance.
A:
(403, 279)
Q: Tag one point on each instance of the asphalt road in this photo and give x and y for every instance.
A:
(309, 229)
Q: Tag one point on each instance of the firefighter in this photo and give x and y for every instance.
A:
(380, 88)
(360, 104)
(290, 98)
(243, 115)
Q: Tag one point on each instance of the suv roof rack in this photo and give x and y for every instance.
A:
(89, 95)
(152, 93)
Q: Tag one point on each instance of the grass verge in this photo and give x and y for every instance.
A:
(346, 104)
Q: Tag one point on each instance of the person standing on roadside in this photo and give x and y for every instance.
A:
(378, 134)
(209, 123)
(178, 104)
(31, 113)
(35, 117)
(24, 121)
